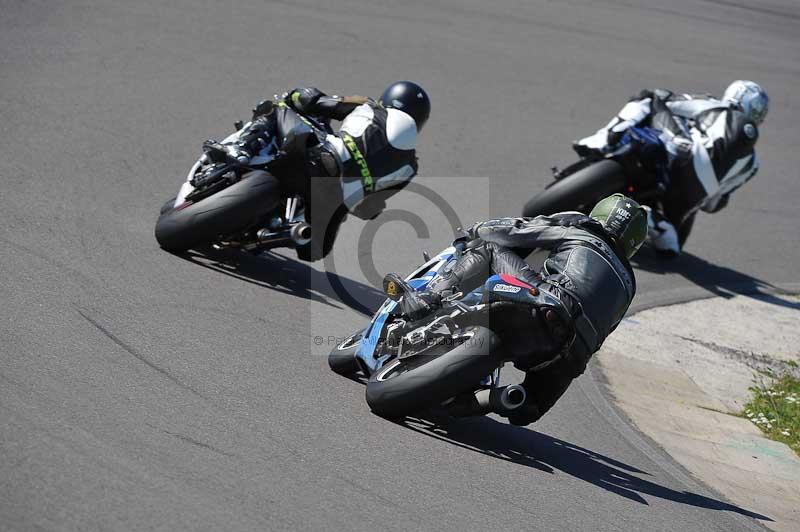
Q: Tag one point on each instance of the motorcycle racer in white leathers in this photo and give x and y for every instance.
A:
(711, 151)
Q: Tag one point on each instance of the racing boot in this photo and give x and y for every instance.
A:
(217, 152)
(544, 388)
(662, 235)
(412, 304)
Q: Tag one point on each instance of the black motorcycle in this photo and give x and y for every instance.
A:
(235, 195)
(636, 168)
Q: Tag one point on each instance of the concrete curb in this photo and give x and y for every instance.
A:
(687, 294)
(677, 371)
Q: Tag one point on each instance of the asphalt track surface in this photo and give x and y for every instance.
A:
(141, 390)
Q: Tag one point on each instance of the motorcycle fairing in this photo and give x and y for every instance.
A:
(418, 279)
(505, 286)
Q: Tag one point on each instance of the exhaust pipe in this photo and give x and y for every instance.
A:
(268, 239)
(500, 401)
(510, 398)
(301, 233)
(297, 235)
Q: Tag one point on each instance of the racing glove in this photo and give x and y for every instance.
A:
(303, 99)
(264, 108)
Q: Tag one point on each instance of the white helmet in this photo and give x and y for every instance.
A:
(749, 97)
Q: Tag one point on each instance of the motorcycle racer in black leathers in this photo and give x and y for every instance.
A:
(369, 158)
(711, 151)
(587, 270)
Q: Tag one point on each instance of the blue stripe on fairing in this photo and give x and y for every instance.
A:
(367, 349)
(416, 284)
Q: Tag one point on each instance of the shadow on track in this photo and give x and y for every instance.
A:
(289, 276)
(545, 453)
(719, 280)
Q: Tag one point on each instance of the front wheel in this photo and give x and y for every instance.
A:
(225, 212)
(405, 386)
(342, 359)
(579, 191)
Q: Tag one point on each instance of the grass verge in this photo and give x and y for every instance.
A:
(775, 409)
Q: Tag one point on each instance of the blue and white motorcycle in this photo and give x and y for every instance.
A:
(451, 358)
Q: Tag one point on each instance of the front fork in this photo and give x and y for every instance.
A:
(492, 380)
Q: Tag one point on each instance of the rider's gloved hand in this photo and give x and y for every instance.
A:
(303, 98)
(263, 108)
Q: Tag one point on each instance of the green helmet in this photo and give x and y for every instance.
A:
(623, 219)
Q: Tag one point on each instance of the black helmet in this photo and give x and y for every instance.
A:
(410, 98)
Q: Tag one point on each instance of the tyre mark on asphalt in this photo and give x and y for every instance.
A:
(111, 336)
(198, 443)
(49, 260)
(756, 9)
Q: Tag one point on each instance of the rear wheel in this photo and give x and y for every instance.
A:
(226, 212)
(579, 191)
(406, 386)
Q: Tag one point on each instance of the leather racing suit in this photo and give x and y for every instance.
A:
(371, 157)
(584, 271)
(711, 152)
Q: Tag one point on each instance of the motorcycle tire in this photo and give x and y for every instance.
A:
(168, 205)
(406, 386)
(579, 191)
(225, 212)
(342, 359)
